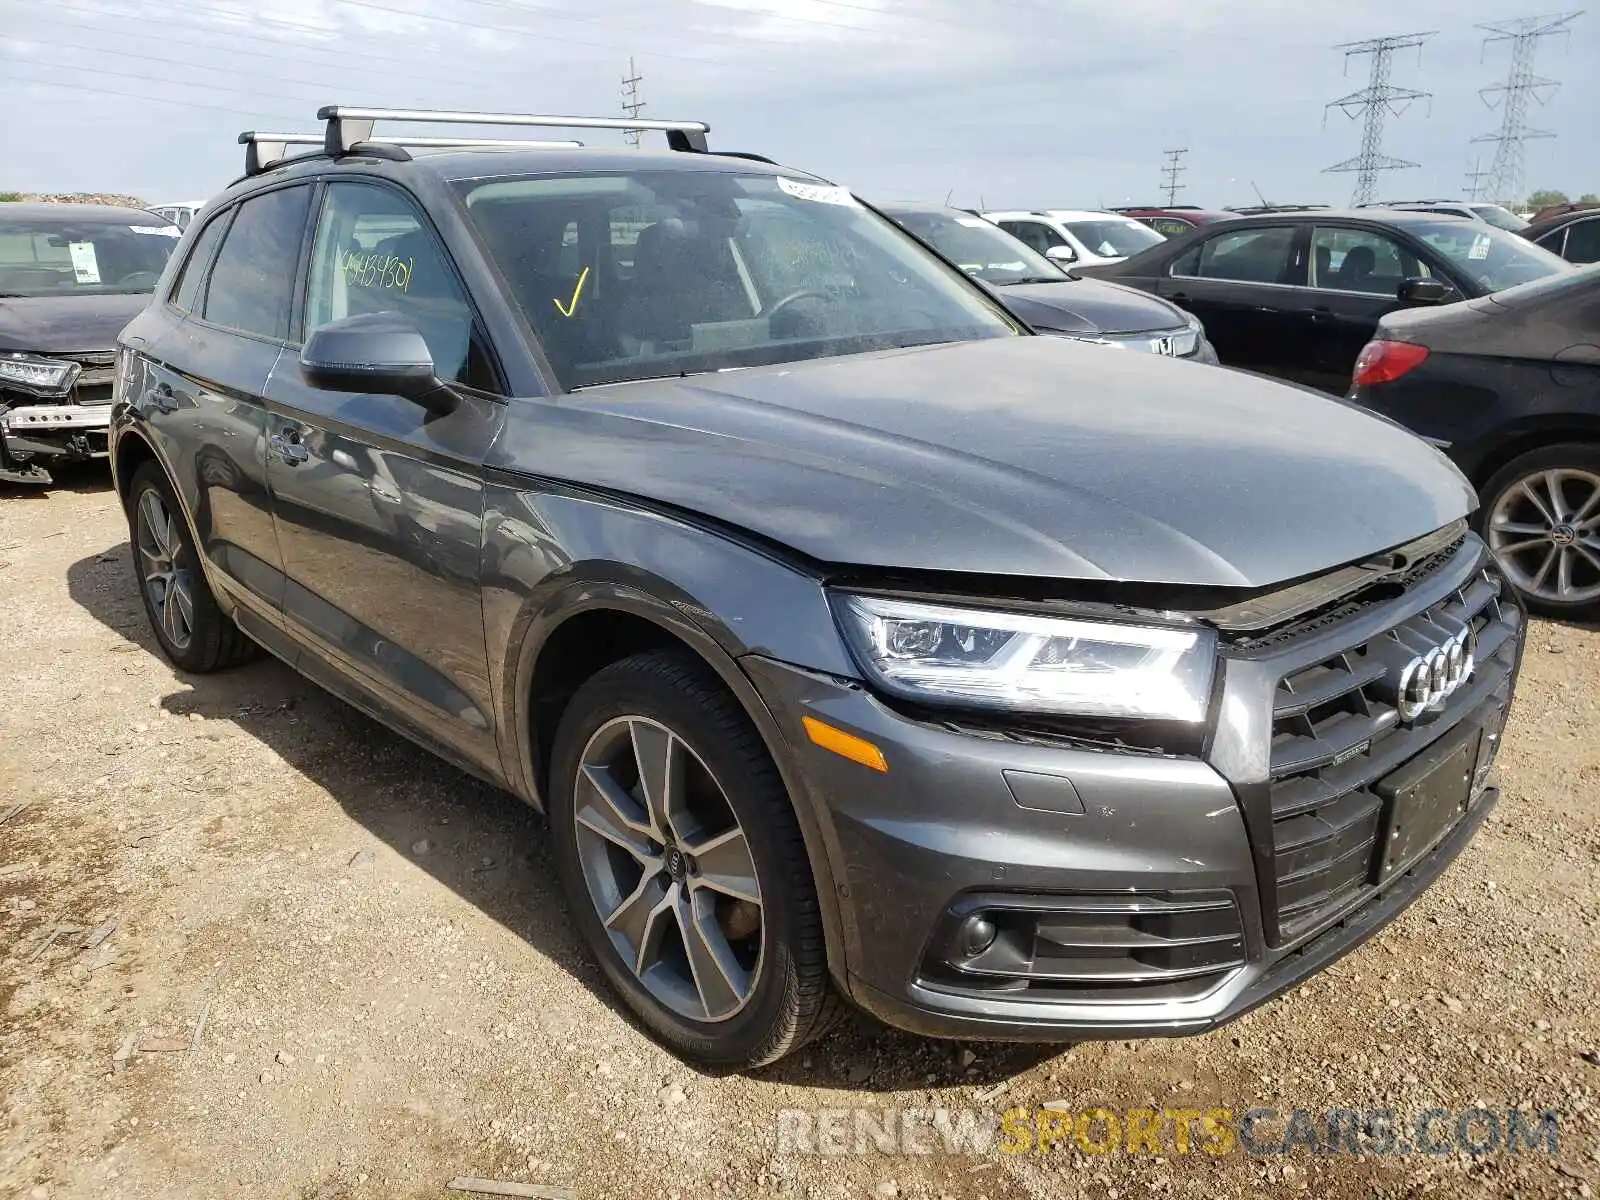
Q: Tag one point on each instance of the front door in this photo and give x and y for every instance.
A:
(1355, 280)
(1243, 285)
(379, 503)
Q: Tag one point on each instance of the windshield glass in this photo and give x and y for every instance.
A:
(1112, 238)
(1490, 257)
(1500, 218)
(981, 248)
(71, 255)
(649, 274)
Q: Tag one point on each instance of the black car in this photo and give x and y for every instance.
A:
(1575, 236)
(1509, 386)
(858, 641)
(1298, 294)
(71, 276)
(1048, 298)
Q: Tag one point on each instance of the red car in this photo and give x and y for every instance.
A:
(1174, 221)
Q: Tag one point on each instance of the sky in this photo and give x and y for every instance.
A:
(999, 103)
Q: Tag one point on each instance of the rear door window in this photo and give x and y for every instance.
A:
(252, 285)
(1256, 255)
(194, 267)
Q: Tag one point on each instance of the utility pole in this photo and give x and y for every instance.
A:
(1376, 102)
(1170, 173)
(1503, 181)
(631, 104)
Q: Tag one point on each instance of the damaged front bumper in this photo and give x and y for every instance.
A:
(50, 431)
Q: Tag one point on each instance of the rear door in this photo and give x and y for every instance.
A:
(1583, 241)
(1244, 285)
(379, 504)
(204, 393)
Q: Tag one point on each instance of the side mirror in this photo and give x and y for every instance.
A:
(377, 354)
(1422, 290)
(1061, 254)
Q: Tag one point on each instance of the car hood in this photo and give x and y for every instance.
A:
(66, 324)
(1028, 456)
(1088, 306)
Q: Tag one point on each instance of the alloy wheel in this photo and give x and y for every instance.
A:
(1545, 532)
(668, 868)
(163, 566)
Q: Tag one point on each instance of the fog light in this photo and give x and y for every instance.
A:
(977, 935)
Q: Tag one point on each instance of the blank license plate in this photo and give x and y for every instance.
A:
(1427, 797)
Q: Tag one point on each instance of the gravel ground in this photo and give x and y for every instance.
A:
(391, 997)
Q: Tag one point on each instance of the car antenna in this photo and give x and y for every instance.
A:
(1265, 203)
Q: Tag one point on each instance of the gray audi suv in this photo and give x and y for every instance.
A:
(860, 644)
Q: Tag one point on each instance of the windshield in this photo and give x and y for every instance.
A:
(1114, 238)
(1490, 257)
(649, 274)
(92, 254)
(1500, 218)
(982, 248)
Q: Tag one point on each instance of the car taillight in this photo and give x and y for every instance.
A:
(1384, 362)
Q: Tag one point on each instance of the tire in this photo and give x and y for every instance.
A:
(197, 637)
(1538, 547)
(638, 701)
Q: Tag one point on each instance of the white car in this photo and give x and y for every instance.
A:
(1492, 214)
(1078, 237)
(179, 212)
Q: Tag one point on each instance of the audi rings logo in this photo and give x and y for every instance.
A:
(1430, 679)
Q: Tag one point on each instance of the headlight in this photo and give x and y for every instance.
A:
(42, 376)
(942, 655)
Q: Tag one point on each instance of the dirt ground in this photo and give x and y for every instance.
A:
(391, 997)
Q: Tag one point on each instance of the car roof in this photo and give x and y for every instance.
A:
(921, 206)
(97, 212)
(1059, 214)
(1393, 216)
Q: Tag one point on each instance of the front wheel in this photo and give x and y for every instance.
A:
(684, 867)
(1541, 517)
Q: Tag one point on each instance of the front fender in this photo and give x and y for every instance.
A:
(551, 553)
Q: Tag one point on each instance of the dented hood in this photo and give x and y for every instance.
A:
(1028, 456)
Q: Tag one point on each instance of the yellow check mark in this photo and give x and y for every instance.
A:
(566, 310)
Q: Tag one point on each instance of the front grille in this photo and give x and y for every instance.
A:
(95, 377)
(1129, 946)
(1337, 733)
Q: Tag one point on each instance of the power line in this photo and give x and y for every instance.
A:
(1376, 102)
(1170, 173)
(1504, 179)
(631, 104)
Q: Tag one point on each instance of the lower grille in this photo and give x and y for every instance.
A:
(1090, 947)
(1338, 733)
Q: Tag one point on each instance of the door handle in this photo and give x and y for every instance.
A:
(161, 398)
(288, 447)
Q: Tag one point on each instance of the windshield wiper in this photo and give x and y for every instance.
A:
(1062, 278)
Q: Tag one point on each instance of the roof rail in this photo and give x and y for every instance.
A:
(263, 151)
(347, 126)
(1155, 207)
